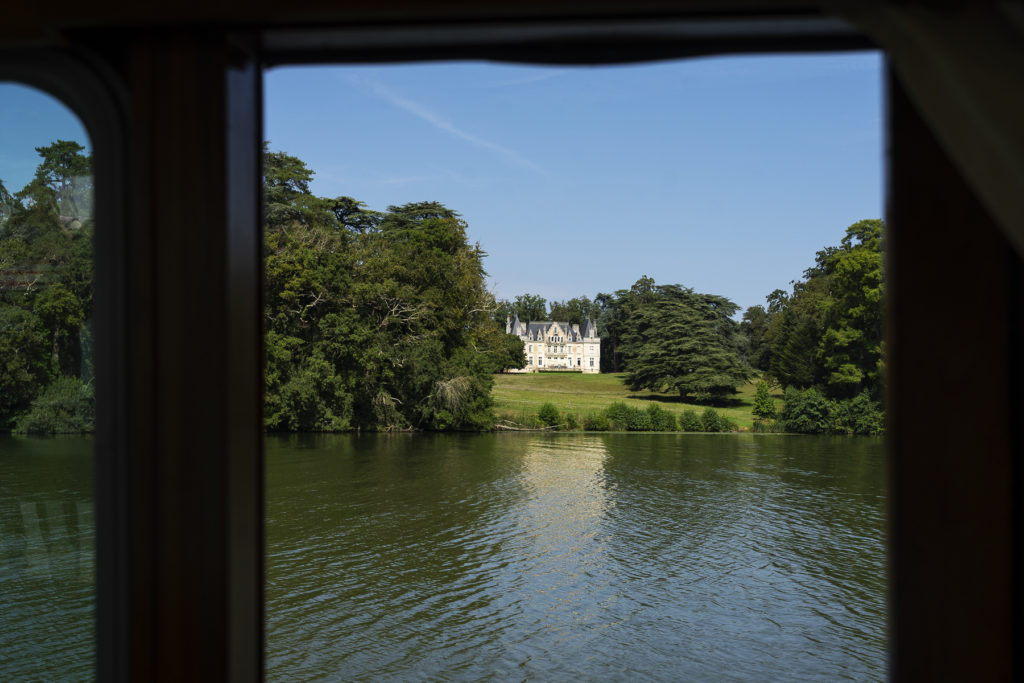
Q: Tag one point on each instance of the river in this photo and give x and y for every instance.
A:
(508, 557)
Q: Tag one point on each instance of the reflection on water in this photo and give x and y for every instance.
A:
(616, 556)
(47, 559)
(511, 557)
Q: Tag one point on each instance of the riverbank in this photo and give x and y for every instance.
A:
(576, 393)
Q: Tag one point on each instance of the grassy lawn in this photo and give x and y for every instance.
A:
(582, 394)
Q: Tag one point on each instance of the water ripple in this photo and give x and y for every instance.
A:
(615, 557)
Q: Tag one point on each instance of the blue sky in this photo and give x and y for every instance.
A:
(724, 174)
(30, 118)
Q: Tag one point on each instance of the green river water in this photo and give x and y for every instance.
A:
(629, 557)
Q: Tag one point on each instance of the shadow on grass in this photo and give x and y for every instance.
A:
(730, 402)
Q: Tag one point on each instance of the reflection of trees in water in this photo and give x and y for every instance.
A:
(831, 522)
(672, 494)
(383, 539)
(47, 558)
(774, 545)
(471, 554)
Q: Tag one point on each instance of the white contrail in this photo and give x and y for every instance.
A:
(441, 123)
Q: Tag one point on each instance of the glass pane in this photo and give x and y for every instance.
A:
(553, 308)
(47, 547)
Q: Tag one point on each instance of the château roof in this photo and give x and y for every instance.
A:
(541, 328)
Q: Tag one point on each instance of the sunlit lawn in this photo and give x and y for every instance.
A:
(582, 394)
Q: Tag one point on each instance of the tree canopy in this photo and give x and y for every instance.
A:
(375, 320)
(46, 287)
(675, 339)
(827, 332)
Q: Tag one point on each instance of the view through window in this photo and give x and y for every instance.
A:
(575, 372)
(47, 546)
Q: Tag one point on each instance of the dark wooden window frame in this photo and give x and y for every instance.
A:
(175, 117)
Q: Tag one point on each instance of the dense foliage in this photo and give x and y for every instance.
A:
(619, 416)
(684, 342)
(374, 320)
(809, 411)
(823, 341)
(46, 295)
(827, 332)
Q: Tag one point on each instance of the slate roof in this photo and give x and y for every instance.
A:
(536, 330)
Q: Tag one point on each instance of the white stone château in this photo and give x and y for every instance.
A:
(552, 345)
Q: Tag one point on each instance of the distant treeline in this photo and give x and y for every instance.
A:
(46, 296)
(381, 320)
(822, 341)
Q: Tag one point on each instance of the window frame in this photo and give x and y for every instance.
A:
(104, 77)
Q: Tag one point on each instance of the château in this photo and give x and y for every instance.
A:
(555, 345)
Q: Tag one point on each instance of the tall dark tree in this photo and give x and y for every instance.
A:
(851, 346)
(828, 332)
(375, 321)
(612, 321)
(68, 173)
(685, 342)
(755, 327)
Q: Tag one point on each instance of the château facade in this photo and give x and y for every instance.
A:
(552, 345)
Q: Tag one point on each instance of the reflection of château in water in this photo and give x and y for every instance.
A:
(552, 345)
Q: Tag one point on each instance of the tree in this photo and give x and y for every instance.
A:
(511, 355)
(764, 406)
(615, 310)
(378, 321)
(68, 173)
(851, 346)
(24, 370)
(828, 332)
(46, 293)
(686, 342)
(530, 307)
(61, 312)
(575, 311)
(755, 327)
(6, 205)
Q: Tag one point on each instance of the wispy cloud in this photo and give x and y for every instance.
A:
(440, 122)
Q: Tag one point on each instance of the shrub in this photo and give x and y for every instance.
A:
(596, 422)
(66, 406)
(711, 422)
(689, 421)
(764, 406)
(661, 420)
(765, 426)
(572, 421)
(809, 412)
(548, 414)
(625, 417)
(864, 416)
